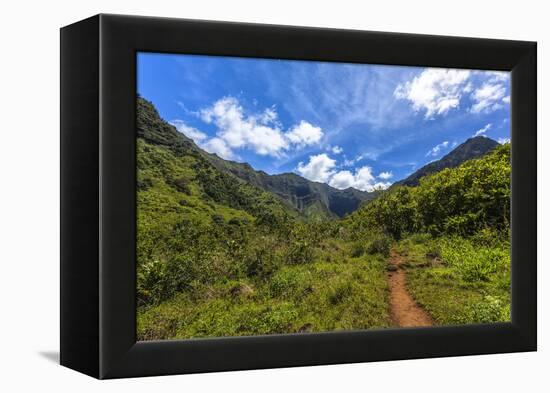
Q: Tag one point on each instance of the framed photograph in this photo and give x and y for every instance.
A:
(240, 196)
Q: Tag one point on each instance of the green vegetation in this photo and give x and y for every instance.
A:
(458, 201)
(220, 254)
(473, 148)
(453, 231)
(316, 201)
(218, 257)
(459, 280)
(317, 296)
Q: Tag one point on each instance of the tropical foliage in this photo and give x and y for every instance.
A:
(219, 256)
(458, 201)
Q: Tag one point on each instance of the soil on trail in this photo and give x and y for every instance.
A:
(405, 312)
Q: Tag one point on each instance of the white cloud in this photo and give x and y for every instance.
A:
(348, 162)
(268, 116)
(189, 132)
(497, 76)
(304, 134)
(187, 110)
(319, 168)
(261, 132)
(342, 180)
(434, 151)
(219, 147)
(483, 130)
(436, 91)
(381, 186)
(502, 141)
(370, 155)
(337, 150)
(362, 179)
(488, 97)
(240, 131)
(340, 95)
(385, 175)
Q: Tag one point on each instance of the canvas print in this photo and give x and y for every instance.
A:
(283, 196)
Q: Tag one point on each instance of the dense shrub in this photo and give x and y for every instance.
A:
(340, 293)
(300, 252)
(491, 309)
(380, 244)
(357, 248)
(218, 256)
(144, 184)
(458, 201)
(261, 261)
(181, 184)
(150, 279)
(179, 273)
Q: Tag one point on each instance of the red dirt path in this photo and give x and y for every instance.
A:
(405, 312)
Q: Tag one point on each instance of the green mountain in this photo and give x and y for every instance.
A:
(170, 166)
(311, 199)
(470, 197)
(224, 250)
(471, 148)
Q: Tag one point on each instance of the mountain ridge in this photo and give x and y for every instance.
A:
(474, 147)
(305, 195)
(314, 200)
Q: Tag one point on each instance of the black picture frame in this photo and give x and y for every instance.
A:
(98, 206)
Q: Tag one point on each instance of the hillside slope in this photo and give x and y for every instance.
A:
(313, 200)
(218, 256)
(461, 200)
(165, 154)
(471, 148)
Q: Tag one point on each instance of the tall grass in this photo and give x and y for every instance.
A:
(474, 261)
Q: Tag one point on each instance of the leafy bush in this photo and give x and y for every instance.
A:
(217, 219)
(463, 224)
(491, 309)
(261, 261)
(338, 294)
(144, 184)
(181, 185)
(150, 277)
(380, 244)
(357, 249)
(393, 212)
(489, 237)
(459, 201)
(300, 252)
(180, 272)
(292, 282)
(420, 238)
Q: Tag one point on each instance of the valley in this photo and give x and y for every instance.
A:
(225, 250)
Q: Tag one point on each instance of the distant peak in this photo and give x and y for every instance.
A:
(471, 148)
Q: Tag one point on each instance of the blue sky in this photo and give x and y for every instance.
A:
(348, 125)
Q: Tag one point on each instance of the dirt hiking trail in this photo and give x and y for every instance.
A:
(405, 312)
